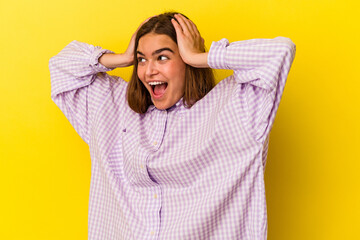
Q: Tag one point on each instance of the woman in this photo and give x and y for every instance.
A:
(172, 156)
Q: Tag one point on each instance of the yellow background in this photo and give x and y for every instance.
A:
(312, 182)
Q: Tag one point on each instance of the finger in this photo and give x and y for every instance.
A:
(196, 35)
(177, 26)
(202, 44)
(189, 25)
(184, 24)
(194, 28)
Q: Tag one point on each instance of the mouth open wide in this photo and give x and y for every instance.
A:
(158, 88)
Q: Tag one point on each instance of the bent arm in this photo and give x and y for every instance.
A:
(79, 83)
(257, 61)
(75, 66)
(261, 67)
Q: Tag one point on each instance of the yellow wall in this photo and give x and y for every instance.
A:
(312, 181)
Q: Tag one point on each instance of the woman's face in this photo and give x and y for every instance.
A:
(161, 69)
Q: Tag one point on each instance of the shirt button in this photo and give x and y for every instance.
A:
(152, 232)
(155, 196)
(142, 166)
(155, 143)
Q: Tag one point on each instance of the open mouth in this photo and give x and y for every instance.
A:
(158, 88)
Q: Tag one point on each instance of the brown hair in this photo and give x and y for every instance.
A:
(198, 81)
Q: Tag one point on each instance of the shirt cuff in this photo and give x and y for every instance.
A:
(217, 54)
(94, 60)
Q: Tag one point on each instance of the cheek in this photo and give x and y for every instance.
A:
(176, 70)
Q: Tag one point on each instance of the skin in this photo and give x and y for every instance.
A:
(190, 43)
(166, 66)
(159, 60)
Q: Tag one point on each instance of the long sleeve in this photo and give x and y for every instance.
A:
(79, 83)
(260, 67)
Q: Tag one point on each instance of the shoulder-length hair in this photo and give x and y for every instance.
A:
(198, 81)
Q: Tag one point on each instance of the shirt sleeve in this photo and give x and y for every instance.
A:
(79, 83)
(261, 67)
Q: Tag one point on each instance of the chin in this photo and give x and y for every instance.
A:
(163, 106)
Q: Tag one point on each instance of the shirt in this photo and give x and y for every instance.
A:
(180, 173)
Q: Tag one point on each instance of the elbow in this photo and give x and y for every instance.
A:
(288, 46)
(287, 42)
(291, 45)
(52, 63)
(284, 40)
(54, 77)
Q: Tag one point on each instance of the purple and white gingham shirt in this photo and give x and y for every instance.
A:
(180, 173)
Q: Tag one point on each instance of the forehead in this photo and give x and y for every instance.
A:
(151, 42)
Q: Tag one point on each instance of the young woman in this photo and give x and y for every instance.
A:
(174, 157)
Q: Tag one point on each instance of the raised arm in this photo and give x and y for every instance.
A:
(260, 67)
(79, 83)
(257, 61)
(75, 67)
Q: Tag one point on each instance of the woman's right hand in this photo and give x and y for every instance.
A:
(112, 60)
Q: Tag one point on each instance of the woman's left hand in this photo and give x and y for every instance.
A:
(190, 43)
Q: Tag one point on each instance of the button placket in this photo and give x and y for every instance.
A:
(153, 218)
(159, 132)
(154, 197)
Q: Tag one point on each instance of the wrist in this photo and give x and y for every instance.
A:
(116, 60)
(124, 59)
(198, 60)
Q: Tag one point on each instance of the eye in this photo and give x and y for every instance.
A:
(141, 59)
(162, 58)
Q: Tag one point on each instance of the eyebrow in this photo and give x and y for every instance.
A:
(157, 51)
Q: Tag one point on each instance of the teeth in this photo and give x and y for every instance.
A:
(155, 83)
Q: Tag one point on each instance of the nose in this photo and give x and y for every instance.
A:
(151, 69)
